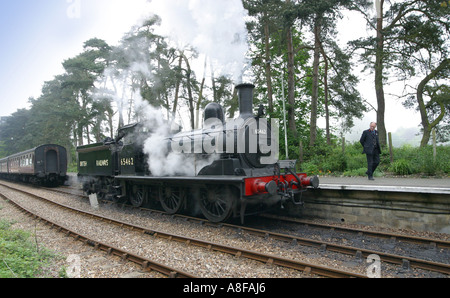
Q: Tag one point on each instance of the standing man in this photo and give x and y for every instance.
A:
(371, 143)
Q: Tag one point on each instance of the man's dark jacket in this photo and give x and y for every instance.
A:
(367, 140)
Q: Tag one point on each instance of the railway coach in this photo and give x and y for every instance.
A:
(43, 165)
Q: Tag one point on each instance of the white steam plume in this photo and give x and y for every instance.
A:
(162, 161)
(216, 28)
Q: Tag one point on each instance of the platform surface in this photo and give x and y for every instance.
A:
(423, 185)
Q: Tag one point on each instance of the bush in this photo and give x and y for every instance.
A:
(421, 160)
(310, 168)
(408, 160)
(401, 167)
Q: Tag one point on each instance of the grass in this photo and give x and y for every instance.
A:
(408, 161)
(20, 256)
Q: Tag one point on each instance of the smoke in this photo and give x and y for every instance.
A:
(162, 160)
(216, 28)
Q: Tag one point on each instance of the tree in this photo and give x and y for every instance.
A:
(53, 114)
(423, 38)
(413, 45)
(340, 89)
(408, 34)
(278, 56)
(15, 133)
(82, 73)
(321, 16)
(260, 29)
(437, 97)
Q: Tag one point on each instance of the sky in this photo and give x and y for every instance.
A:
(37, 36)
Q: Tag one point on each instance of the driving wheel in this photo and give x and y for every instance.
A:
(216, 203)
(173, 199)
(138, 196)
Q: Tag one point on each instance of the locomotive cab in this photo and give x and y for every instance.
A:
(131, 157)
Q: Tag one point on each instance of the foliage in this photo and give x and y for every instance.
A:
(408, 160)
(401, 167)
(293, 48)
(411, 46)
(20, 258)
(421, 160)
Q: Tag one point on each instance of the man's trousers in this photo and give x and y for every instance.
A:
(373, 160)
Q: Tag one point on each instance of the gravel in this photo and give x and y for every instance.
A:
(197, 261)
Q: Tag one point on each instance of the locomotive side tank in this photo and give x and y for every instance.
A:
(242, 174)
(100, 163)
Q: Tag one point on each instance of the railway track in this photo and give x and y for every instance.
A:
(210, 246)
(360, 253)
(405, 261)
(145, 263)
(437, 243)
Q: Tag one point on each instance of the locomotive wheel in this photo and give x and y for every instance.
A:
(138, 196)
(216, 203)
(173, 199)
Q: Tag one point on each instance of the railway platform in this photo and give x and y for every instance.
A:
(418, 185)
(411, 203)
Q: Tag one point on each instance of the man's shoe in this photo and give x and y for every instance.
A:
(371, 179)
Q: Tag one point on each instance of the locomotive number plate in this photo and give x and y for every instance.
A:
(127, 162)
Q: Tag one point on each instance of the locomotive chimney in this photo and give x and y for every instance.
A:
(245, 94)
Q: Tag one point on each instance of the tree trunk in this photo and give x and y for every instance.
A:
(315, 81)
(177, 89)
(200, 97)
(189, 88)
(291, 85)
(427, 126)
(268, 68)
(379, 88)
(199, 103)
(327, 109)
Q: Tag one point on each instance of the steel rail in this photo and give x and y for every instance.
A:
(238, 252)
(357, 252)
(386, 235)
(147, 264)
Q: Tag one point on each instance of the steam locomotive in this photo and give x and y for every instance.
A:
(235, 165)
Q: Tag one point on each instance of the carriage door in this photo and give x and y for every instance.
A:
(51, 161)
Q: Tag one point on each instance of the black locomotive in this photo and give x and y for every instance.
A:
(242, 175)
(43, 165)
